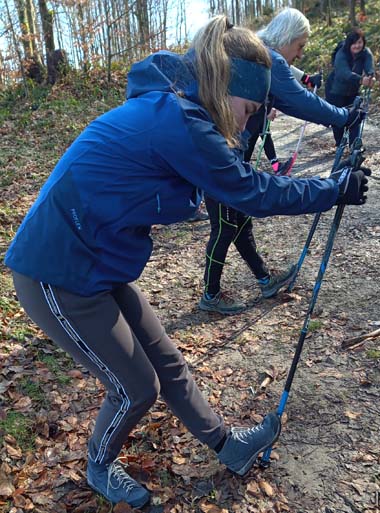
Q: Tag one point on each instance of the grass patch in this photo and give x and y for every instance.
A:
(315, 325)
(20, 427)
(34, 390)
(56, 365)
(374, 354)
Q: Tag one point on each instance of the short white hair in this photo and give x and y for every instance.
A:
(289, 24)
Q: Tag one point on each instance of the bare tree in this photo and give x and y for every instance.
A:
(352, 12)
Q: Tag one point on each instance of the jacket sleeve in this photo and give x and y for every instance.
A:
(343, 72)
(294, 100)
(194, 149)
(297, 73)
(369, 63)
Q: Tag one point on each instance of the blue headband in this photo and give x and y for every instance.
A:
(249, 80)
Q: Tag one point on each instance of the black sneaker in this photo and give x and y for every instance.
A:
(285, 168)
(277, 281)
(243, 445)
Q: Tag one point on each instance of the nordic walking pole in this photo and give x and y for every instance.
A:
(355, 161)
(264, 462)
(295, 154)
(338, 156)
(266, 132)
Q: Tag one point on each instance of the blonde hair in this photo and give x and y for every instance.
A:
(214, 45)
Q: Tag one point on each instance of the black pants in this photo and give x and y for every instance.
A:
(229, 225)
(269, 149)
(342, 101)
(119, 339)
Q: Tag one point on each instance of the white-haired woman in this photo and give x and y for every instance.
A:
(286, 36)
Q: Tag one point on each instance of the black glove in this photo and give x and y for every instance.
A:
(355, 115)
(312, 80)
(352, 185)
(355, 166)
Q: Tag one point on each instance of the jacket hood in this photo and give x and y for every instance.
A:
(166, 72)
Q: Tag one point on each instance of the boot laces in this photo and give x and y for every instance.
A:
(224, 296)
(243, 434)
(123, 480)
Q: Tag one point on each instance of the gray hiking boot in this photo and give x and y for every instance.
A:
(277, 281)
(221, 303)
(243, 445)
(115, 484)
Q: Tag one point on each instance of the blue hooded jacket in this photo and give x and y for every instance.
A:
(293, 99)
(140, 164)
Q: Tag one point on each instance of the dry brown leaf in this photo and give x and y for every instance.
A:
(351, 414)
(253, 489)
(280, 506)
(274, 456)
(6, 486)
(23, 503)
(266, 488)
(13, 452)
(208, 507)
(75, 373)
(185, 470)
(122, 507)
(179, 460)
(23, 404)
(91, 505)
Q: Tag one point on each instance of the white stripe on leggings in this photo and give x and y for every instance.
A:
(53, 305)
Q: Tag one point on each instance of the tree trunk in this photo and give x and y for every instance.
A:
(24, 26)
(16, 47)
(47, 26)
(143, 23)
(32, 60)
(237, 11)
(352, 13)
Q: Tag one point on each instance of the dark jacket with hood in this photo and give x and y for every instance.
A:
(345, 78)
(140, 164)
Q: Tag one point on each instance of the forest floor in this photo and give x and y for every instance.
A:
(327, 459)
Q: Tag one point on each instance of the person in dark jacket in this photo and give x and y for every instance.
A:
(86, 238)
(353, 66)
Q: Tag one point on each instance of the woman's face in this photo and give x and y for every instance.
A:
(357, 46)
(294, 50)
(243, 110)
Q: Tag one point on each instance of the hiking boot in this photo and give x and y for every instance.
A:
(285, 168)
(243, 445)
(199, 215)
(115, 484)
(276, 281)
(221, 303)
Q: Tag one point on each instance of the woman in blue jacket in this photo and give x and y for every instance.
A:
(86, 239)
(353, 66)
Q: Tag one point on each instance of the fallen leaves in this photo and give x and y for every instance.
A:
(6, 485)
(207, 507)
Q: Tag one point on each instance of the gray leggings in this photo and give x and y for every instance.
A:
(118, 338)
